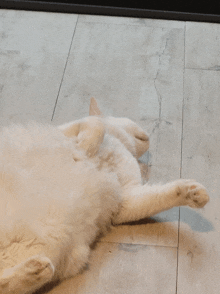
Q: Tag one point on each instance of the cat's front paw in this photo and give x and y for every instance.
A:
(192, 193)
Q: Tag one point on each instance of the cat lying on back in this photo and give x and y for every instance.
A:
(60, 187)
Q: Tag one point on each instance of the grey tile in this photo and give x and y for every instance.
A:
(202, 45)
(123, 65)
(199, 252)
(201, 136)
(33, 52)
(123, 268)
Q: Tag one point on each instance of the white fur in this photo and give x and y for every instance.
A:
(61, 187)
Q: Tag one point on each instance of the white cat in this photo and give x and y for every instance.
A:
(60, 187)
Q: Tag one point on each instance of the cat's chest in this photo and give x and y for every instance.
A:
(114, 157)
(110, 154)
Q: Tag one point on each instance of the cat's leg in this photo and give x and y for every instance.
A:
(27, 276)
(89, 133)
(38, 270)
(145, 201)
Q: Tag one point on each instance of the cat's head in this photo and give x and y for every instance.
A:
(128, 132)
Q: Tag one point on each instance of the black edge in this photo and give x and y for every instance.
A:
(106, 10)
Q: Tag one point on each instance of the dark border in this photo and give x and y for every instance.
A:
(106, 10)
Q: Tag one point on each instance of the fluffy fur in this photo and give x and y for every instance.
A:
(60, 187)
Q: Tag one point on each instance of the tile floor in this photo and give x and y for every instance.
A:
(165, 76)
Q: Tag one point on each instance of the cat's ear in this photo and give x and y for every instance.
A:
(94, 109)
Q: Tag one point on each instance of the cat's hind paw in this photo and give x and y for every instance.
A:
(39, 265)
(27, 276)
(192, 193)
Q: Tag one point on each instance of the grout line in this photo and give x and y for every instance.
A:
(64, 70)
(184, 62)
(177, 252)
(209, 69)
(181, 156)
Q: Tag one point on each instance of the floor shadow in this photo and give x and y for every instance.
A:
(187, 215)
(46, 288)
(195, 220)
(145, 167)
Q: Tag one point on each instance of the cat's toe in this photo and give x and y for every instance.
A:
(191, 193)
(196, 196)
